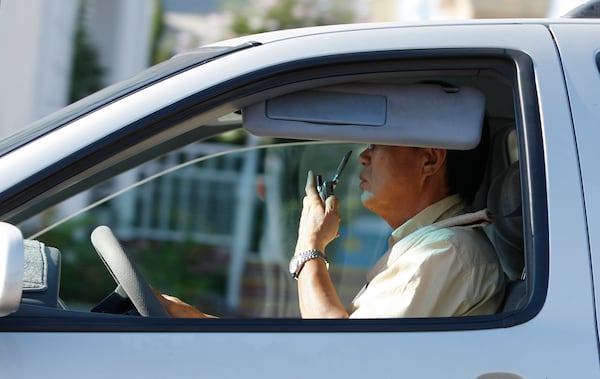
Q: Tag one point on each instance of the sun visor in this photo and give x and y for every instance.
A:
(422, 115)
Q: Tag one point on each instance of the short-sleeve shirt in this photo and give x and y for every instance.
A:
(439, 264)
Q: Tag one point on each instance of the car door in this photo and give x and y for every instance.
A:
(552, 334)
(581, 62)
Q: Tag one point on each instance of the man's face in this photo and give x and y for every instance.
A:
(391, 179)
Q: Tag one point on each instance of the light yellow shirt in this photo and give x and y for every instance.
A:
(438, 265)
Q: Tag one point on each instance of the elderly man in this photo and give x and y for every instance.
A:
(439, 263)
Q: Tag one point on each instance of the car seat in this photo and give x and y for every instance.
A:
(504, 202)
(41, 280)
(506, 233)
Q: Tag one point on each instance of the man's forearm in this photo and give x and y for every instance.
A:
(316, 293)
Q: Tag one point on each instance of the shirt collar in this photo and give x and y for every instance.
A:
(448, 207)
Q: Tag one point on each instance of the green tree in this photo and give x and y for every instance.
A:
(250, 18)
(86, 72)
(159, 51)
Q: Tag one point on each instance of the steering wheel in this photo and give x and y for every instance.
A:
(126, 274)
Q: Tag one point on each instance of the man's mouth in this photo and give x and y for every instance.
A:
(363, 182)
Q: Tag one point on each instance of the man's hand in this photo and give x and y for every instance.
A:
(177, 308)
(319, 223)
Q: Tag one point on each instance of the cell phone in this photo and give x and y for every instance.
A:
(326, 188)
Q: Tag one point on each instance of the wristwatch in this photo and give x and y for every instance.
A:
(298, 261)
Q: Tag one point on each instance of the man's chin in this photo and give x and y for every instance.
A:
(366, 197)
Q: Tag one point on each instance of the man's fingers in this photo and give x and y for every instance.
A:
(311, 186)
(331, 204)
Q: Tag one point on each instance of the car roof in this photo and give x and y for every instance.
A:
(278, 35)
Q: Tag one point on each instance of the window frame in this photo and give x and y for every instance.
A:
(265, 82)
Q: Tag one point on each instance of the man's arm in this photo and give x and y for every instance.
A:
(177, 308)
(319, 225)
(317, 296)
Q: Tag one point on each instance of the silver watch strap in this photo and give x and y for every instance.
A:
(308, 255)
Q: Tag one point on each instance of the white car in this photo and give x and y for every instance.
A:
(194, 171)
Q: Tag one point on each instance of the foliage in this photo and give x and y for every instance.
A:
(158, 52)
(84, 279)
(250, 17)
(86, 72)
(184, 269)
(187, 270)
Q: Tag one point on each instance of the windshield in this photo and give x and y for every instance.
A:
(161, 71)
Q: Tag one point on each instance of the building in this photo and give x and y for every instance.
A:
(407, 10)
(37, 37)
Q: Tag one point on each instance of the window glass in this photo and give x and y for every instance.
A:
(218, 230)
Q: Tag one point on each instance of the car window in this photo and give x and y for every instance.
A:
(217, 230)
(215, 222)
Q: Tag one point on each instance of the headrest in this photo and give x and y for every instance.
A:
(41, 279)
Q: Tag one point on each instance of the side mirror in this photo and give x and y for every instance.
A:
(11, 268)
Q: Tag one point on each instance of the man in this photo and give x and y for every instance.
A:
(440, 263)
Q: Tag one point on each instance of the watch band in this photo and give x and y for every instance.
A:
(298, 260)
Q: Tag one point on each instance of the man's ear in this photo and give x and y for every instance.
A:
(435, 159)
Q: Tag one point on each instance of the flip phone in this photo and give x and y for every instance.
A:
(326, 188)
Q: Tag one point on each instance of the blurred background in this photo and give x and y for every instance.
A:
(55, 52)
